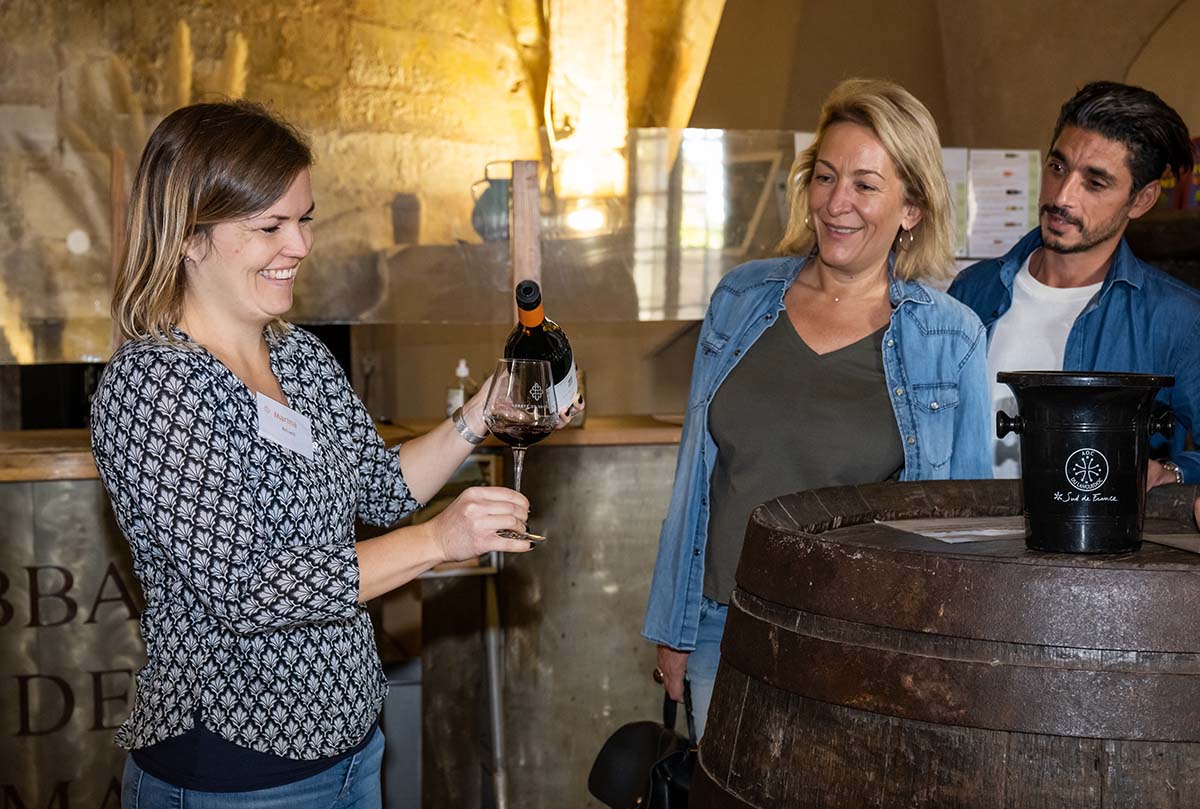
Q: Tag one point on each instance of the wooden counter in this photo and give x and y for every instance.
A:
(30, 455)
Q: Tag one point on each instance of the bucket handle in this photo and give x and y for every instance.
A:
(1162, 421)
(1006, 424)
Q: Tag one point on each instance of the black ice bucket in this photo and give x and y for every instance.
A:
(1085, 443)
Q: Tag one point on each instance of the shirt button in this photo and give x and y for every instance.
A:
(912, 439)
(899, 391)
(891, 343)
(934, 405)
(696, 552)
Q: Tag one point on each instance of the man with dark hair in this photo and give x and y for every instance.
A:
(1071, 295)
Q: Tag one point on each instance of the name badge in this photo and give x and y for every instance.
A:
(282, 425)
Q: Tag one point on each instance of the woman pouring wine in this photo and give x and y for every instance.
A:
(237, 458)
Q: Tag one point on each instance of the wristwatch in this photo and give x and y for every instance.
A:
(1174, 469)
(468, 435)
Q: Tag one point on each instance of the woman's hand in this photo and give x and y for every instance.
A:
(467, 527)
(673, 665)
(1197, 508)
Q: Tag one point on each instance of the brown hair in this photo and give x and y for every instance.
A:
(203, 165)
(909, 135)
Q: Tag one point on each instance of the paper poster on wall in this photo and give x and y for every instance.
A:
(1003, 196)
(954, 162)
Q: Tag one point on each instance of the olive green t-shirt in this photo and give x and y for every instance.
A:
(788, 419)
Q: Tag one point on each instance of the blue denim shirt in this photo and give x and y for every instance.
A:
(936, 367)
(1141, 321)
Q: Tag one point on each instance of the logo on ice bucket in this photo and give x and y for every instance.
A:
(1086, 469)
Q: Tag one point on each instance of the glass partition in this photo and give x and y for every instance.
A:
(697, 203)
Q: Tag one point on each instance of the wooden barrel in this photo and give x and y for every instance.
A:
(869, 664)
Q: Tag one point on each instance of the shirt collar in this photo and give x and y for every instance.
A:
(786, 269)
(901, 291)
(1125, 266)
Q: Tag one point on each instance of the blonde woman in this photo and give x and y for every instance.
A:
(237, 458)
(831, 365)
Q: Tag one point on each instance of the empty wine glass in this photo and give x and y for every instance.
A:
(521, 410)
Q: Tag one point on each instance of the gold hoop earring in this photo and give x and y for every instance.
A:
(905, 240)
(808, 222)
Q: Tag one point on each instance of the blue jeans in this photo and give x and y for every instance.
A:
(349, 784)
(702, 662)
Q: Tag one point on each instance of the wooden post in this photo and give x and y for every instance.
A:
(525, 225)
(117, 203)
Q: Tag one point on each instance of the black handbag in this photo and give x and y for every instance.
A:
(645, 765)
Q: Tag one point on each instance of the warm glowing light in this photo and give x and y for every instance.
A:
(590, 168)
(587, 98)
(586, 220)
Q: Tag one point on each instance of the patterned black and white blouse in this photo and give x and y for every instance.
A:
(245, 549)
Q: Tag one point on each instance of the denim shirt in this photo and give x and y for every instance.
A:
(936, 368)
(1141, 321)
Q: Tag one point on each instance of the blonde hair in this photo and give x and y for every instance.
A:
(909, 136)
(203, 165)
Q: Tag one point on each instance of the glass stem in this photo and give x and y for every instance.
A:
(518, 465)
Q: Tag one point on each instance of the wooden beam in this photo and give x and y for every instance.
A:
(525, 227)
(118, 202)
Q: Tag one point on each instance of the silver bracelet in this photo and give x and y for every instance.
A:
(468, 435)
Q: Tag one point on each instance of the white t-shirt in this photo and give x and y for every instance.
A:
(1030, 336)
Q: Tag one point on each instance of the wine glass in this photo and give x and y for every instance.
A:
(521, 410)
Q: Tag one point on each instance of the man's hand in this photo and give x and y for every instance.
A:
(673, 666)
(1157, 475)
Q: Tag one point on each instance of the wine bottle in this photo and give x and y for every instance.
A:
(537, 337)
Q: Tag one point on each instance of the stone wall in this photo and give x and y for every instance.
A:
(404, 102)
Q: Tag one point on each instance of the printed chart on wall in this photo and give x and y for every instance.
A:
(1003, 199)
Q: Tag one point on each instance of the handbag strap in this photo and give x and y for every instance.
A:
(670, 707)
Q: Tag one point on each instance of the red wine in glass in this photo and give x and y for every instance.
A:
(520, 435)
(521, 410)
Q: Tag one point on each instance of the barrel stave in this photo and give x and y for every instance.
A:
(865, 666)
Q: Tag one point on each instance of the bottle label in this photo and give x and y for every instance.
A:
(566, 389)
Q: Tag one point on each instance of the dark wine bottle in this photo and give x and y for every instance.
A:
(537, 337)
